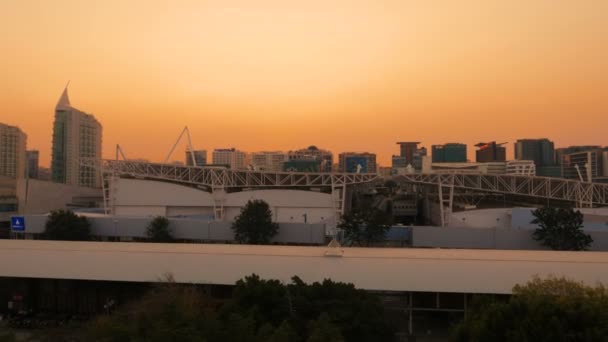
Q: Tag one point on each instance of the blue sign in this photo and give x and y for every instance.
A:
(18, 223)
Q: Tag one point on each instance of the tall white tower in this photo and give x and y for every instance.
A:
(76, 135)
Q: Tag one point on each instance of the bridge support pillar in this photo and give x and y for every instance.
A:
(338, 194)
(219, 195)
(446, 200)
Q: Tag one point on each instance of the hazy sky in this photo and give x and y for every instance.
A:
(279, 74)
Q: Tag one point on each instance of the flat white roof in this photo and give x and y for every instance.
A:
(392, 269)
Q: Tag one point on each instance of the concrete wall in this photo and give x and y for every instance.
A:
(482, 218)
(39, 197)
(188, 229)
(490, 238)
(519, 218)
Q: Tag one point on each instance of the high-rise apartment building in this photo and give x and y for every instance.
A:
(76, 137)
(449, 153)
(200, 157)
(407, 149)
(268, 161)
(398, 162)
(412, 154)
(490, 152)
(541, 151)
(12, 151)
(324, 157)
(33, 158)
(230, 157)
(354, 162)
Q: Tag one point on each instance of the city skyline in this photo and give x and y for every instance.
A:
(276, 76)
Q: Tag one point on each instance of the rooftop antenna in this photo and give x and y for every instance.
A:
(190, 148)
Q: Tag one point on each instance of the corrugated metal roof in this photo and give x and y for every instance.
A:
(393, 269)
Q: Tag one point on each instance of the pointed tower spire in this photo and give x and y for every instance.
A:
(64, 100)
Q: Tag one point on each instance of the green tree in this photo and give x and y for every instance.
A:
(158, 230)
(323, 330)
(560, 229)
(6, 335)
(365, 227)
(168, 312)
(283, 333)
(67, 226)
(264, 300)
(259, 310)
(358, 314)
(552, 309)
(254, 225)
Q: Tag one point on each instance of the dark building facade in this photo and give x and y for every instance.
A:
(490, 152)
(408, 149)
(541, 151)
(33, 158)
(354, 162)
(410, 154)
(449, 153)
(324, 157)
(200, 157)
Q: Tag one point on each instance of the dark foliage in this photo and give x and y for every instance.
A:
(365, 227)
(561, 229)
(67, 226)
(158, 230)
(254, 225)
(259, 311)
(553, 309)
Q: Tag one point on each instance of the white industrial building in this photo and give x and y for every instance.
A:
(137, 197)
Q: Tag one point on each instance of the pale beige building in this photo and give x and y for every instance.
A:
(12, 151)
(268, 161)
(231, 157)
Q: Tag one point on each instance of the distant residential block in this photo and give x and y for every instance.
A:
(12, 151)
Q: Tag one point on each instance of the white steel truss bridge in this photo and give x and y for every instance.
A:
(214, 177)
(582, 194)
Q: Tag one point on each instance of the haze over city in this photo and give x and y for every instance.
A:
(276, 75)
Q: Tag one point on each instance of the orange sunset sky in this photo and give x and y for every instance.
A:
(280, 75)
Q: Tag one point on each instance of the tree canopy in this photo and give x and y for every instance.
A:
(552, 309)
(259, 311)
(560, 229)
(254, 225)
(65, 225)
(365, 227)
(158, 230)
